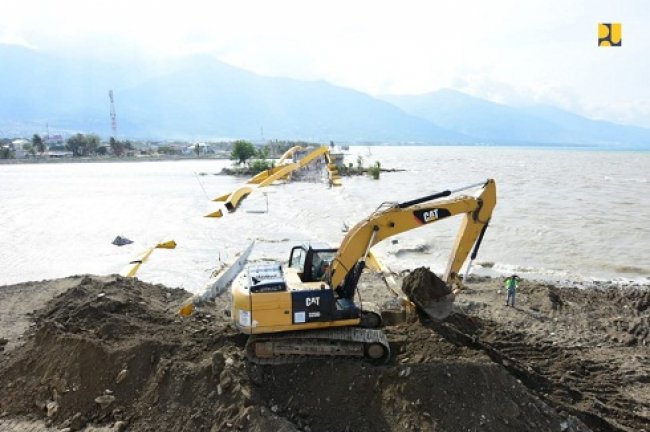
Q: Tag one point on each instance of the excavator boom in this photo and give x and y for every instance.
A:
(398, 218)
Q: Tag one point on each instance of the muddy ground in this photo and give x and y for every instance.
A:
(110, 353)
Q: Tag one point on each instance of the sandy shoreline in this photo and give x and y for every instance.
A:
(495, 367)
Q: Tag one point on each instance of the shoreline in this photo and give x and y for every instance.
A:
(36, 161)
(583, 282)
(474, 277)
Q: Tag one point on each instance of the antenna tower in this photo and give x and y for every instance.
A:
(113, 115)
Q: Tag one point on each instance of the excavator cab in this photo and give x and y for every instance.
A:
(312, 260)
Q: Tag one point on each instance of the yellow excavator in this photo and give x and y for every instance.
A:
(307, 307)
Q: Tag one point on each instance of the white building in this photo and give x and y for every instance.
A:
(19, 148)
(54, 142)
(204, 149)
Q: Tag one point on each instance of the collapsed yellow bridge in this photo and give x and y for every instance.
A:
(282, 171)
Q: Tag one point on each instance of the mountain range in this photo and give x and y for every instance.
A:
(200, 97)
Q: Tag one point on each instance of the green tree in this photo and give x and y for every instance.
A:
(29, 149)
(38, 144)
(82, 145)
(92, 144)
(375, 170)
(6, 153)
(259, 165)
(117, 148)
(76, 144)
(263, 152)
(165, 150)
(197, 149)
(242, 151)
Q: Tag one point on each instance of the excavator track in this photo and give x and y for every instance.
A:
(293, 347)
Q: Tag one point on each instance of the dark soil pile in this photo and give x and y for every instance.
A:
(613, 315)
(590, 358)
(423, 286)
(116, 353)
(111, 352)
(590, 384)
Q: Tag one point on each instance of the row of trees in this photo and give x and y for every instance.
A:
(242, 150)
(79, 144)
(83, 145)
(118, 148)
(88, 145)
(36, 146)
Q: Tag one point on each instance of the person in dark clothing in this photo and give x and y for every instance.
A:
(556, 301)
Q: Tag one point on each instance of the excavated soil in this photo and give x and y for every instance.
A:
(112, 352)
(422, 286)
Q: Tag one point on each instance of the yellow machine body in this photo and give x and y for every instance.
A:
(316, 289)
(277, 311)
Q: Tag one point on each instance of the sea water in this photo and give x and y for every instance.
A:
(562, 214)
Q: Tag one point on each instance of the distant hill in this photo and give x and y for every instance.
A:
(495, 123)
(36, 88)
(201, 98)
(207, 97)
(198, 97)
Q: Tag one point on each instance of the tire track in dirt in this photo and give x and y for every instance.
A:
(586, 383)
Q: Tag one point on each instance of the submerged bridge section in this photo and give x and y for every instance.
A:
(281, 172)
(134, 265)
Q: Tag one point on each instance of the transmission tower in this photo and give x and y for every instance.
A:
(113, 115)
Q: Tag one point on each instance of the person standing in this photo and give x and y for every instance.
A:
(556, 301)
(511, 284)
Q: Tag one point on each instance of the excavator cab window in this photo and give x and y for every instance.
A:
(312, 264)
(320, 264)
(297, 258)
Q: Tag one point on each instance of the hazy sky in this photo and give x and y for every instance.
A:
(513, 51)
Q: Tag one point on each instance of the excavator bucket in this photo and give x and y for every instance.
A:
(440, 309)
(430, 293)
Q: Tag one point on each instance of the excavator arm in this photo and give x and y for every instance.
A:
(397, 218)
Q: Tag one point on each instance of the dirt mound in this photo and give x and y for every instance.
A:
(589, 358)
(116, 353)
(423, 286)
(635, 330)
(429, 293)
(430, 384)
(110, 352)
(440, 395)
(608, 314)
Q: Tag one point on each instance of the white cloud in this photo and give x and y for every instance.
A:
(12, 39)
(506, 50)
